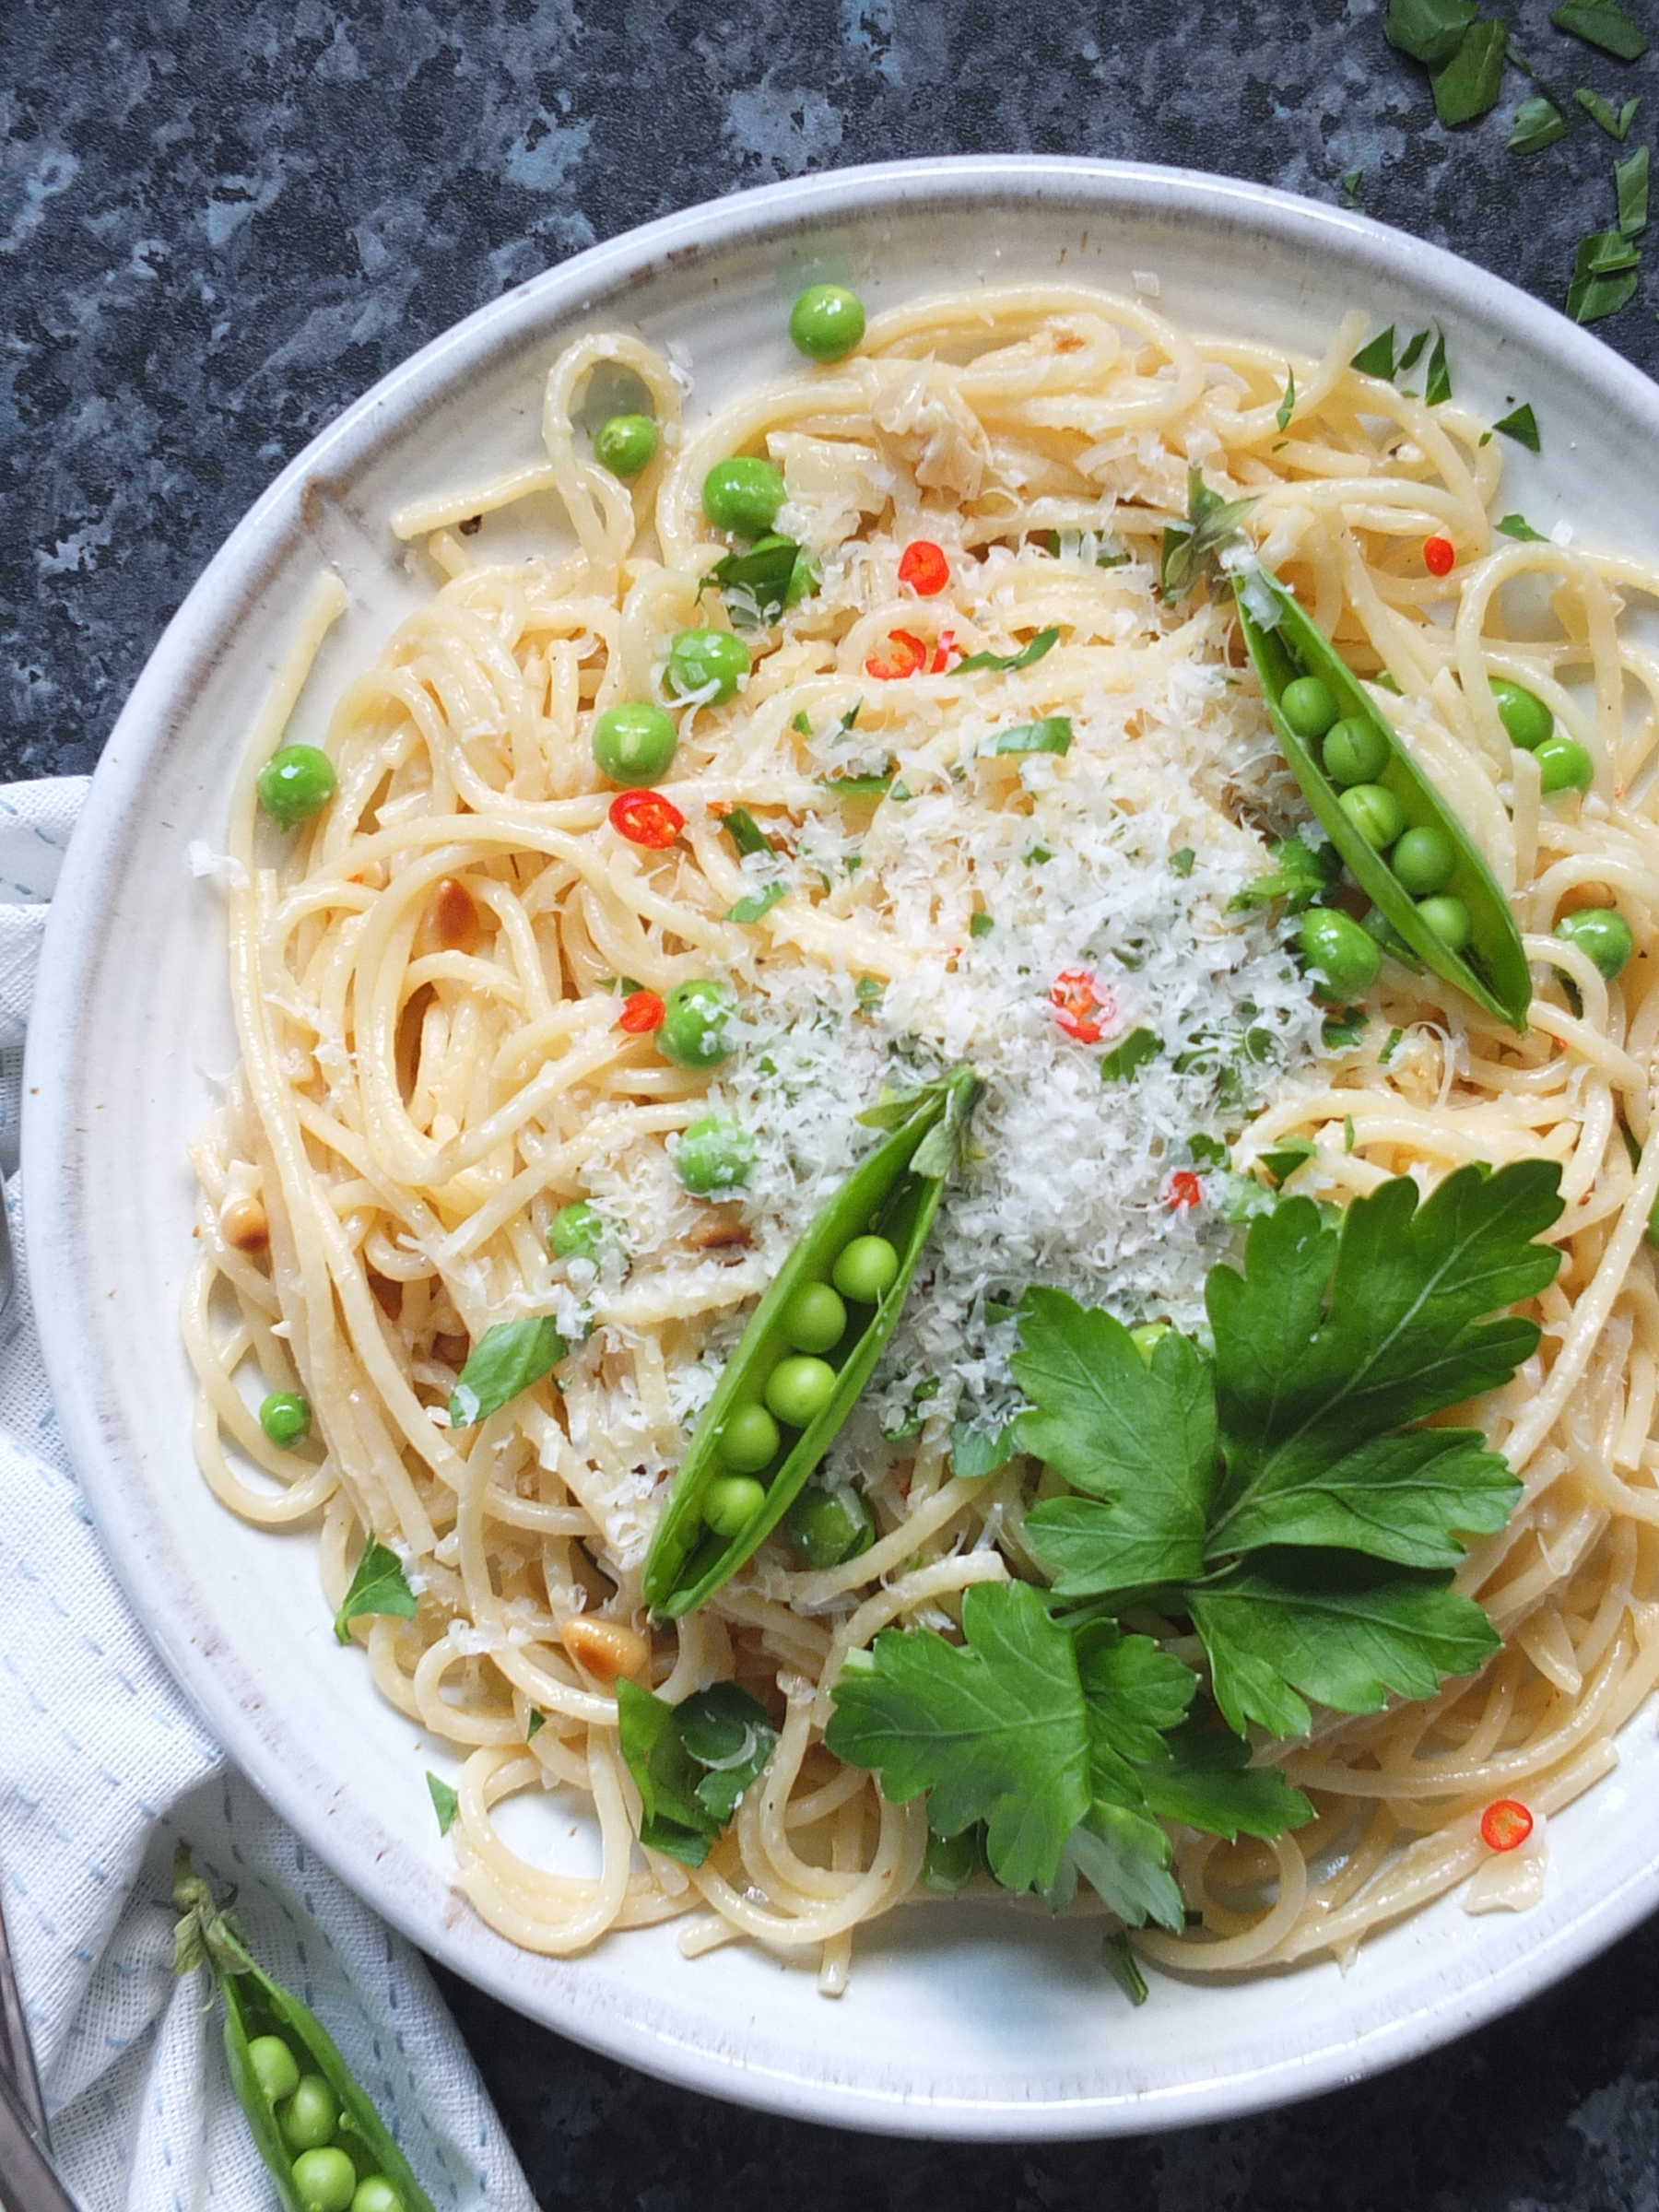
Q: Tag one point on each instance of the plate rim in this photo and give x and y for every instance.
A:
(179, 664)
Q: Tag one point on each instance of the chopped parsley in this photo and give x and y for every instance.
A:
(1008, 663)
(1600, 111)
(1517, 525)
(1538, 123)
(1212, 524)
(1631, 177)
(378, 1586)
(754, 904)
(446, 1802)
(506, 1359)
(1438, 388)
(1602, 23)
(1521, 424)
(691, 1762)
(1286, 407)
(1133, 1052)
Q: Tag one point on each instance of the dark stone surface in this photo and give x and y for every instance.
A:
(220, 223)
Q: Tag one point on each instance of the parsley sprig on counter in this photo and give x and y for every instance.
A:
(1280, 1492)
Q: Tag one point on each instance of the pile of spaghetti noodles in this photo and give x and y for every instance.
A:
(426, 983)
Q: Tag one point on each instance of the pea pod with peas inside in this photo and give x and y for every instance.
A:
(1385, 801)
(312, 2123)
(795, 1374)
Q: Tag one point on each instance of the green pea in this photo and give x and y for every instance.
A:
(1564, 764)
(697, 1019)
(295, 783)
(1356, 751)
(1375, 813)
(698, 658)
(635, 743)
(798, 1389)
(311, 2115)
(324, 2180)
(731, 1502)
(743, 495)
(867, 1270)
(1603, 934)
(275, 2068)
(826, 321)
(1448, 918)
(1424, 860)
(1146, 1335)
(830, 1527)
(951, 1861)
(578, 1231)
(285, 1417)
(1523, 713)
(626, 444)
(1335, 947)
(815, 1319)
(714, 1157)
(749, 1440)
(376, 2194)
(1309, 705)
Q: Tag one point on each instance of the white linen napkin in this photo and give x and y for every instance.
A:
(104, 1768)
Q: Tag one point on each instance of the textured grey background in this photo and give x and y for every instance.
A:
(220, 223)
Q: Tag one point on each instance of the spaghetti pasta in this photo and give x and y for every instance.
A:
(426, 983)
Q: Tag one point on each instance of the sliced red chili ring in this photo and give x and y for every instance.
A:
(1182, 1190)
(641, 1012)
(910, 655)
(1505, 1825)
(1081, 1007)
(646, 818)
(923, 567)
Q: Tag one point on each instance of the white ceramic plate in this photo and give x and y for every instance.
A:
(959, 2021)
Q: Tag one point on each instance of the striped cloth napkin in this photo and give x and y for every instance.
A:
(104, 1768)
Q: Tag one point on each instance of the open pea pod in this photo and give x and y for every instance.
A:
(256, 2006)
(1493, 971)
(894, 1194)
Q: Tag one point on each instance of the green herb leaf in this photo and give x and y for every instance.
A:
(1204, 1777)
(753, 905)
(1340, 1630)
(981, 925)
(1008, 662)
(1181, 864)
(1137, 1436)
(860, 787)
(1408, 360)
(1282, 1162)
(1051, 734)
(1212, 524)
(1522, 425)
(975, 1451)
(1600, 111)
(745, 831)
(1470, 82)
(1344, 1030)
(996, 1731)
(1595, 292)
(445, 1802)
(1538, 123)
(1429, 30)
(1517, 525)
(1438, 387)
(1351, 181)
(1632, 180)
(378, 1586)
(1300, 873)
(666, 1776)
(756, 585)
(1286, 407)
(1602, 23)
(534, 1724)
(506, 1359)
(1327, 1343)
(728, 1734)
(1125, 1059)
(1376, 357)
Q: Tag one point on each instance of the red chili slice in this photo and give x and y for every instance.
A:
(1505, 1825)
(924, 567)
(910, 655)
(943, 653)
(1438, 554)
(641, 1012)
(1184, 1191)
(646, 818)
(1081, 1007)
